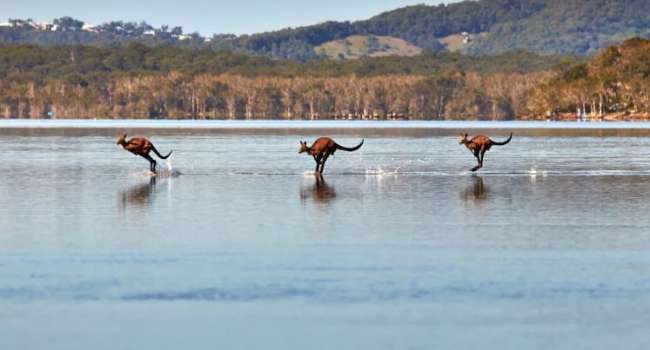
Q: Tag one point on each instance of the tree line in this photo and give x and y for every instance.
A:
(169, 82)
(613, 84)
(139, 81)
(176, 95)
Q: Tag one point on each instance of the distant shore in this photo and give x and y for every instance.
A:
(31, 127)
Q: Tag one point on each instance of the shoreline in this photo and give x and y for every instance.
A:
(111, 127)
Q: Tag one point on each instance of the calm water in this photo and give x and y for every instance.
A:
(236, 245)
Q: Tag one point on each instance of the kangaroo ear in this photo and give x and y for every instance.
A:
(466, 135)
(124, 135)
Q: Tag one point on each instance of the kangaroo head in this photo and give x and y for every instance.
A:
(121, 140)
(463, 139)
(303, 147)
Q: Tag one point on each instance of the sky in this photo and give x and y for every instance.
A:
(205, 16)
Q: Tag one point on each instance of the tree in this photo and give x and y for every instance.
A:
(68, 24)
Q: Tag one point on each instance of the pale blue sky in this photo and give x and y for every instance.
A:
(205, 16)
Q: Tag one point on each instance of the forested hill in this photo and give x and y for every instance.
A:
(20, 62)
(479, 27)
(476, 27)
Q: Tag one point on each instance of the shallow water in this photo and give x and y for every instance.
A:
(236, 244)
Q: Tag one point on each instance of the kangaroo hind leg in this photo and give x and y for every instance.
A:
(322, 163)
(152, 163)
(482, 157)
(478, 160)
(318, 160)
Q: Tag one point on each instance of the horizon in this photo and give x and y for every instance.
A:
(238, 19)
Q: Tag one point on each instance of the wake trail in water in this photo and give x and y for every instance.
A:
(168, 172)
(160, 174)
(391, 171)
(396, 172)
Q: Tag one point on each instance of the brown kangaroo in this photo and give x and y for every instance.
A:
(480, 144)
(322, 148)
(141, 147)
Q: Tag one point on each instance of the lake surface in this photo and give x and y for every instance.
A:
(235, 244)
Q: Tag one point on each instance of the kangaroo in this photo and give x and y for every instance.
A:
(480, 144)
(322, 148)
(141, 147)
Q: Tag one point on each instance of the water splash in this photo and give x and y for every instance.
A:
(379, 171)
(169, 173)
(533, 172)
(146, 174)
(142, 174)
(168, 162)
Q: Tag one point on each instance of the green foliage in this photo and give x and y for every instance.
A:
(68, 24)
(569, 26)
(543, 26)
(134, 59)
(576, 72)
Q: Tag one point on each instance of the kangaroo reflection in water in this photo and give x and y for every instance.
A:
(477, 191)
(320, 192)
(139, 195)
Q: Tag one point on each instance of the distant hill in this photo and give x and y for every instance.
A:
(476, 27)
(491, 26)
(357, 46)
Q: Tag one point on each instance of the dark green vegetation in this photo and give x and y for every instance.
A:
(543, 26)
(169, 82)
(85, 62)
(66, 31)
(494, 26)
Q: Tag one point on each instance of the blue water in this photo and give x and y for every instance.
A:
(236, 245)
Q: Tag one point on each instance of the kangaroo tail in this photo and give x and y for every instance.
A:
(504, 142)
(153, 148)
(350, 149)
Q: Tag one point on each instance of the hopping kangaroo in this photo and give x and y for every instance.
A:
(480, 144)
(322, 148)
(141, 147)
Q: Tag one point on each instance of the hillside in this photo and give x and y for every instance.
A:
(570, 27)
(492, 26)
(21, 62)
(357, 46)
(477, 27)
